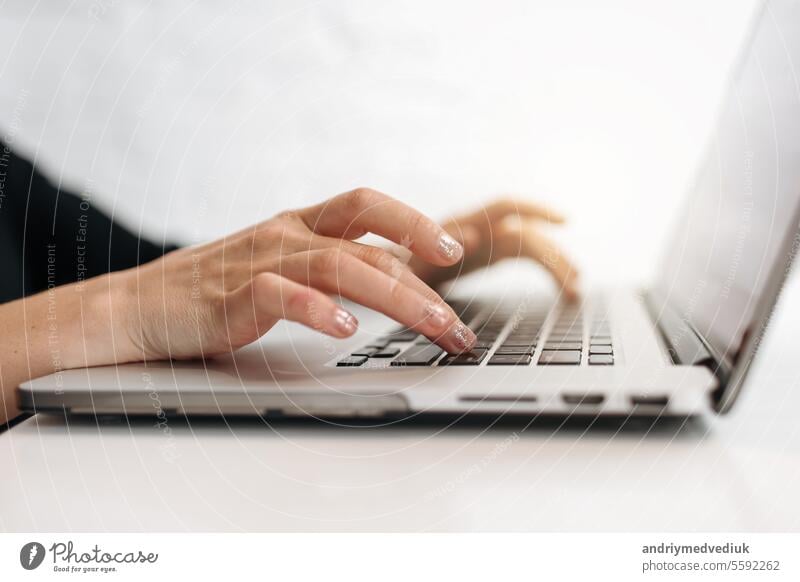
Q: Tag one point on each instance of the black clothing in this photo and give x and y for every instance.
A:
(50, 237)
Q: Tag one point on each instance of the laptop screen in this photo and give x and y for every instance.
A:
(742, 210)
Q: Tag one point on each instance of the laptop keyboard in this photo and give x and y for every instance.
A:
(542, 335)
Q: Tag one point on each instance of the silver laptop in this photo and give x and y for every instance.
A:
(678, 348)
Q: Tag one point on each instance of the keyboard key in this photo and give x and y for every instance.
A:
(377, 345)
(505, 350)
(567, 326)
(598, 349)
(466, 311)
(351, 361)
(600, 340)
(472, 358)
(566, 332)
(484, 343)
(559, 358)
(510, 360)
(386, 353)
(515, 341)
(418, 355)
(488, 329)
(487, 326)
(367, 351)
(565, 338)
(527, 326)
(524, 334)
(404, 336)
(601, 360)
(562, 346)
(511, 343)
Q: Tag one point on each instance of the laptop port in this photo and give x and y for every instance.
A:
(654, 402)
(583, 399)
(490, 399)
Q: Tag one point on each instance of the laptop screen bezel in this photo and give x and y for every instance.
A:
(731, 383)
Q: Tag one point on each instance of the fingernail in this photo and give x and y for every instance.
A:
(436, 314)
(449, 247)
(462, 336)
(345, 322)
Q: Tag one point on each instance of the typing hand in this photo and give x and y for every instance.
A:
(210, 299)
(501, 230)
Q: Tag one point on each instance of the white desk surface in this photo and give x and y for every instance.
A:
(739, 472)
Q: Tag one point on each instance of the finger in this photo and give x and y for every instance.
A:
(256, 306)
(533, 244)
(469, 236)
(336, 271)
(549, 255)
(508, 207)
(355, 213)
(381, 259)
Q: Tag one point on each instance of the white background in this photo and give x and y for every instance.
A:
(195, 119)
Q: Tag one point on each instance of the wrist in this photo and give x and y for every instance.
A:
(97, 318)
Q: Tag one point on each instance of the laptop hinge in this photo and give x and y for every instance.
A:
(685, 344)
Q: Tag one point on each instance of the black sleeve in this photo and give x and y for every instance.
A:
(51, 237)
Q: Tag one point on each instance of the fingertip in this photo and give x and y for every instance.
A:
(461, 338)
(571, 290)
(571, 295)
(449, 249)
(345, 323)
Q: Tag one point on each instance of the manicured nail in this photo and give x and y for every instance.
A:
(449, 247)
(345, 322)
(462, 336)
(437, 314)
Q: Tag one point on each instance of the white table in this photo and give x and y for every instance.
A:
(740, 472)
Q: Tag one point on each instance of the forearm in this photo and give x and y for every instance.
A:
(64, 327)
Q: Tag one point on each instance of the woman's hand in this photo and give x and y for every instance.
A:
(501, 230)
(214, 298)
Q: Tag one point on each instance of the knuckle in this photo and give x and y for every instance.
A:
(266, 283)
(299, 300)
(327, 260)
(239, 252)
(395, 267)
(360, 198)
(500, 206)
(397, 293)
(376, 257)
(271, 232)
(506, 202)
(288, 216)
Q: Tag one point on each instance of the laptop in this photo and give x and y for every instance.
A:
(679, 347)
